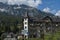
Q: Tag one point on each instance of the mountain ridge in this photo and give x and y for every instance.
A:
(19, 10)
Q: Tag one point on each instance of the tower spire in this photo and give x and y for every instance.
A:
(26, 14)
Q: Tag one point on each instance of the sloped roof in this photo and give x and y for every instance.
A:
(53, 19)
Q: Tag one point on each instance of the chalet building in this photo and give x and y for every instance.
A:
(35, 27)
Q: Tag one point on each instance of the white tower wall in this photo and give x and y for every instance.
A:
(26, 27)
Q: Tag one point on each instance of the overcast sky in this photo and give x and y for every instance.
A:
(44, 5)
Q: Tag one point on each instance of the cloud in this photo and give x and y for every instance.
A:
(47, 9)
(3, 1)
(33, 3)
(58, 13)
(3, 10)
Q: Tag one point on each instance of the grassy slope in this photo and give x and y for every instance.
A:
(56, 36)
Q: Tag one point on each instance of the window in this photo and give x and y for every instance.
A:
(56, 24)
(25, 27)
(25, 22)
(25, 18)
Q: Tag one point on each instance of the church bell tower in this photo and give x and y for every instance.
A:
(26, 25)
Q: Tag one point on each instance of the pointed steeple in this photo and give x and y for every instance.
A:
(26, 14)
